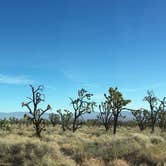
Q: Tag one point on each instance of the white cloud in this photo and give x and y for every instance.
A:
(6, 79)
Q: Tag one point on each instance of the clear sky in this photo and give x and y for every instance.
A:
(71, 44)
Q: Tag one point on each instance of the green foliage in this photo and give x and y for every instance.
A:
(116, 103)
(115, 99)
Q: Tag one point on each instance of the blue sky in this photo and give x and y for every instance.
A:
(68, 45)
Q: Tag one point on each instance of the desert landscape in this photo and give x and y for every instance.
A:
(90, 146)
(66, 138)
(82, 83)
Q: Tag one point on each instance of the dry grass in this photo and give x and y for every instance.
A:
(88, 147)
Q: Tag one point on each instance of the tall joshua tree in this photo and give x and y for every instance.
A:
(162, 114)
(116, 103)
(81, 105)
(105, 115)
(35, 112)
(154, 108)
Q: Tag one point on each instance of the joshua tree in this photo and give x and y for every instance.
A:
(54, 119)
(116, 103)
(81, 105)
(36, 113)
(105, 115)
(162, 114)
(65, 119)
(154, 108)
(141, 116)
(162, 120)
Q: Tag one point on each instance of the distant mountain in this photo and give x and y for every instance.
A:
(127, 114)
(7, 115)
(18, 115)
(92, 115)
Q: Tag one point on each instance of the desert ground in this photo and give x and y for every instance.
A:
(89, 146)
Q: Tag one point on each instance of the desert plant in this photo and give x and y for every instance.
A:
(54, 119)
(141, 116)
(162, 114)
(36, 113)
(162, 120)
(105, 115)
(154, 108)
(65, 119)
(81, 105)
(14, 120)
(93, 122)
(116, 103)
(5, 125)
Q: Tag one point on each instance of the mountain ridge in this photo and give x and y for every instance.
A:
(92, 115)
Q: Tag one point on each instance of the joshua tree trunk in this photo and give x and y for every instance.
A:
(115, 123)
(74, 125)
(153, 127)
(141, 127)
(107, 127)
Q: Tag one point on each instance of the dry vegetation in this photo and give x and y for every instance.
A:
(33, 140)
(88, 146)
